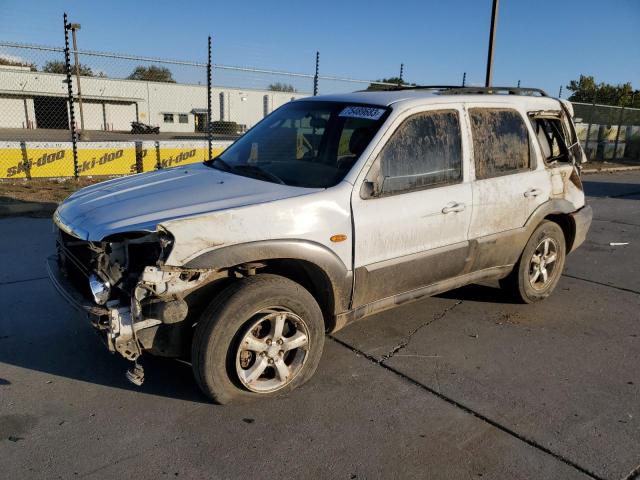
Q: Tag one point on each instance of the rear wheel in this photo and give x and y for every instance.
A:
(538, 271)
(262, 336)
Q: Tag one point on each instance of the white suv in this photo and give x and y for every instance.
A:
(330, 209)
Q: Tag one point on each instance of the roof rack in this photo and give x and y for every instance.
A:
(459, 90)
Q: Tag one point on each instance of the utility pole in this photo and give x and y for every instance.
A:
(492, 38)
(315, 77)
(73, 27)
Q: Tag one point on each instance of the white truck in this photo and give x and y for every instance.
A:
(330, 209)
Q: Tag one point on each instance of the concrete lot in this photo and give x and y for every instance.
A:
(464, 385)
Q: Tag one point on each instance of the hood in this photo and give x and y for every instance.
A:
(140, 202)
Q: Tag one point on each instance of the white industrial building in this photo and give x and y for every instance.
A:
(39, 100)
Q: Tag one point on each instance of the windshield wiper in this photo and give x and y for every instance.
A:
(217, 163)
(258, 172)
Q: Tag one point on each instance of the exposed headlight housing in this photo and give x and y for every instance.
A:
(100, 289)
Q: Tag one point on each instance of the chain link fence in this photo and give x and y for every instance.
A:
(127, 114)
(131, 113)
(608, 133)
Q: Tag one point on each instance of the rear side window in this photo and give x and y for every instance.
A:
(425, 151)
(500, 142)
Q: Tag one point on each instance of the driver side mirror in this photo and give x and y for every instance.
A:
(369, 189)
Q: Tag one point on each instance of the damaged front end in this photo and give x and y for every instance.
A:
(133, 299)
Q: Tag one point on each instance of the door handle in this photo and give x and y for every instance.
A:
(453, 207)
(532, 192)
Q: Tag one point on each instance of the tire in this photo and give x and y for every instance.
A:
(527, 284)
(269, 315)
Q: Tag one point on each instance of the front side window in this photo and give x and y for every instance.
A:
(309, 144)
(425, 151)
(500, 142)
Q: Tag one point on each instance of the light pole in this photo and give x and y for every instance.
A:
(73, 27)
(492, 38)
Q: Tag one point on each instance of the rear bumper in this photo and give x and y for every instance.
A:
(69, 292)
(582, 221)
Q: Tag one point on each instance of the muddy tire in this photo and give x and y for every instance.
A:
(540, 266)
(261, 337)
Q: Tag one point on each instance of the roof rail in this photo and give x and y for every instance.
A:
(499, 91)
(459, 90)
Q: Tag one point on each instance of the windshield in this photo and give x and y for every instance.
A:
(309, 144)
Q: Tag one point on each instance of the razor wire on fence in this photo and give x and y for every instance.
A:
(133, 113)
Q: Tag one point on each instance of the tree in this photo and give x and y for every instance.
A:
(585, 89)
(281, 87)
(152, 73)
(17, 63)
(394, 80)
(57, 66)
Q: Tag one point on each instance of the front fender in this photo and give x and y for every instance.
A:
(338, 275)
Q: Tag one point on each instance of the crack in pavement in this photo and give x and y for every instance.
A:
(601, 283)
(11, 282)
(494, 423)
(405, 341)
(617, 222)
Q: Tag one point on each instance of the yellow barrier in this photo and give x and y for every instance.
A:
(171, 154)
(47, 159)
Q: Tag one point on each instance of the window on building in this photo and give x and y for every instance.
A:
(183, 118)
(168, 118)
(425, 151)
(500, 142)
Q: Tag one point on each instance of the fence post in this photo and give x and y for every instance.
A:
(615, 145)
(72, 119)
(464, 78)
(315, 77)
(209, 129)
(593, 108)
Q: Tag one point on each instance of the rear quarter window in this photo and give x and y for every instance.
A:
(500, 142)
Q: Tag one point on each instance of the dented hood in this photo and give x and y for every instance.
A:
(142, 201)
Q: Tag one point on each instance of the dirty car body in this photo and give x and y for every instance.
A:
(361, 201)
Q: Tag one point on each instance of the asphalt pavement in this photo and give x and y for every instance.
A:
(462, 385)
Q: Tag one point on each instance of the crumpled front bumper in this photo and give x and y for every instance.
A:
(69, 292)
(114, 322)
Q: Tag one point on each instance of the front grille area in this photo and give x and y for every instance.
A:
(77, 260)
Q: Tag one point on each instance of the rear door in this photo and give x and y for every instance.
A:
(413, 231)
(504, 163)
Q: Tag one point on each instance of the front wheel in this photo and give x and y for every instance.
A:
(538, 271)
(262, 336)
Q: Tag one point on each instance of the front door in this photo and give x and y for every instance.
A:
(411, 230)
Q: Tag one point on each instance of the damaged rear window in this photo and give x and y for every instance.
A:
(500, 142)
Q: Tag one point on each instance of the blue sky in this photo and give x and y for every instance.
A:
(543, 43)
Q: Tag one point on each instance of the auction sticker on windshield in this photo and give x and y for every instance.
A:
(369, 113)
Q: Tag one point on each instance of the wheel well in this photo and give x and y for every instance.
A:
(567, 225)
(305, 273)
(312, 278)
